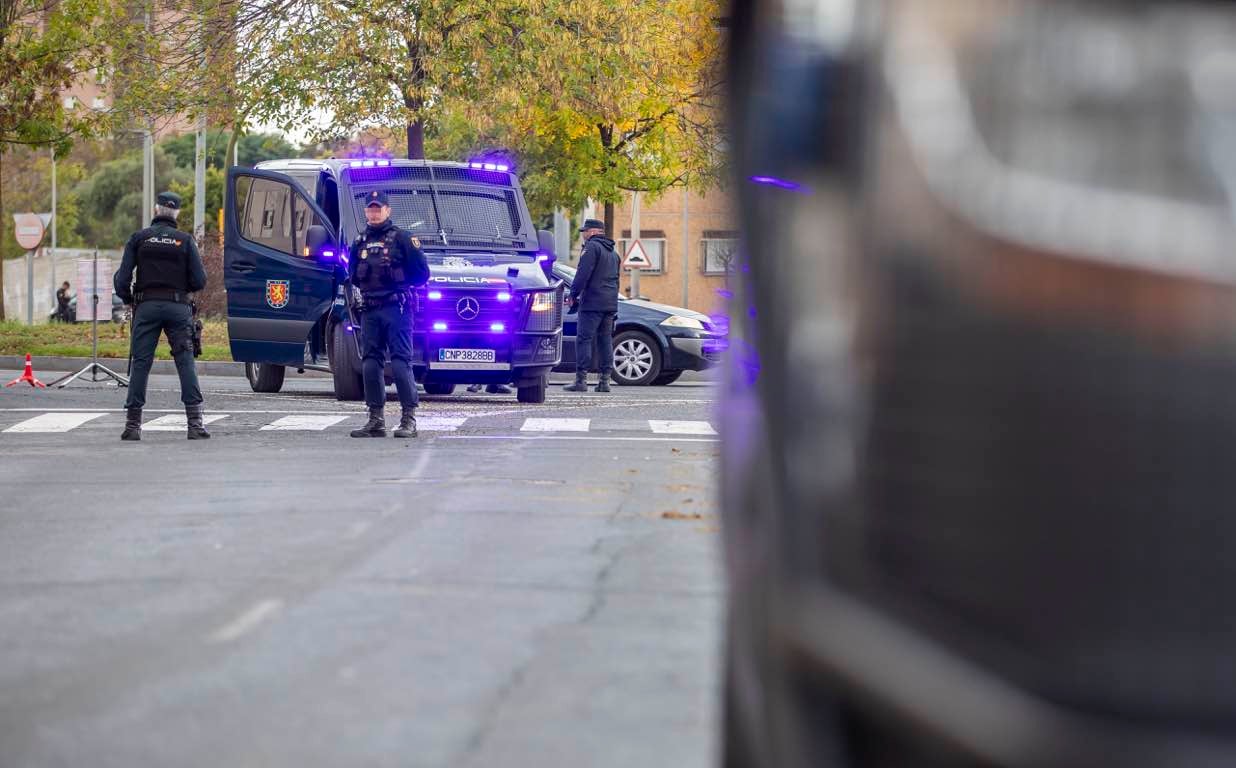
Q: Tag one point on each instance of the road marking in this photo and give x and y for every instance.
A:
(555, 425)
(439, 423)
(581, 437)
(54, 422)
(681, 427)
(176, 422)
(246, 622)
(303, 423)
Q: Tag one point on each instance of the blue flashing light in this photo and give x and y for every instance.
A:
(503, 168)
(490, 166)
(439, 326)
(497, 327)
(504, 296)
(354, 164)
(383, 163)
(368, 163)
(542, 257)
(773, 181)
(328, 254)
(435, 295)
(348, 327)
(476, 166)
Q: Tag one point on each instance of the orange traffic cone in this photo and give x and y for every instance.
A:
(28, 377)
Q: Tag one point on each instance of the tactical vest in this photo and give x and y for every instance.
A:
(162, 260)
(380, 268)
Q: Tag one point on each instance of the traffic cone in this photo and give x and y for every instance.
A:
(28, 377)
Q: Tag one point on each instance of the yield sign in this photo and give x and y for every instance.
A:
(637, 257)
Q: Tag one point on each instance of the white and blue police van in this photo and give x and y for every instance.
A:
(491, 313)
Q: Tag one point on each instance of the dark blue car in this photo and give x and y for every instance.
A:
(653, 343)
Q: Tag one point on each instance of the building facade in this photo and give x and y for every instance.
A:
(691, 239)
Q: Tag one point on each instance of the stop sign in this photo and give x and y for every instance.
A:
(28, 229)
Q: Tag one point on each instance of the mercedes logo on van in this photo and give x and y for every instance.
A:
(468, 308)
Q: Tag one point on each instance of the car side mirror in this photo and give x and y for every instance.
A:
(545, 253)
(317, 238)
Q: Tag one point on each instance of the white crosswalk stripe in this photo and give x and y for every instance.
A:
(556, 425)
(439, 423)
(681, 427)
(54, 422)
(176, 422)
(302, 423)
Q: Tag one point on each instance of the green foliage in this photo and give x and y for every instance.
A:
(254, 148)
(111, 197)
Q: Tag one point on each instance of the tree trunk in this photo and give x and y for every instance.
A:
(2, 233)
(609, 220)
(416, 140)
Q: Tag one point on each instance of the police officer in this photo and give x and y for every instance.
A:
(169, 268)
(385, 264)
(594, 295)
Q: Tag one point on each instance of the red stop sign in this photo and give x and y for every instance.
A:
(28, 229)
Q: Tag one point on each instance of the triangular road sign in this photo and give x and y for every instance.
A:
(637, 257)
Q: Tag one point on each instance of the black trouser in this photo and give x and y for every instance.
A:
(594, 328)
(149, 320)
(388, 325)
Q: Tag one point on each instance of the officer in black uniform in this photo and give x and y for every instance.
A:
(386, 263)
(169, 268)
(594, 295)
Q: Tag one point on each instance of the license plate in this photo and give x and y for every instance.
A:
(466, 356)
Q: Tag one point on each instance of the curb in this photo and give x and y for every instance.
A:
(118, 364)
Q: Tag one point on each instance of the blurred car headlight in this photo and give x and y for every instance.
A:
(680, 321)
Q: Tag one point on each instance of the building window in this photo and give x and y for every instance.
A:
(653, 241)
(719, 252)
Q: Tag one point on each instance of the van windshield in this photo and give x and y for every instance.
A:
(451, 214)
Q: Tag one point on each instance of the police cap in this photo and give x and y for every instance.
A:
(376, 197)
(592, 224)
(169, 200)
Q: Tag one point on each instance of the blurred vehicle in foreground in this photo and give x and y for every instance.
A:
(977, 508)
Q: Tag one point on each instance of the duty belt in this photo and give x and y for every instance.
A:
(162, 294)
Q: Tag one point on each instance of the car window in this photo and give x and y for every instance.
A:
(263, 209)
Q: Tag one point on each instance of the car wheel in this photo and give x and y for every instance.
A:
(345, 365)
(439, 388)
(637, 359)
(534, 393)
(265, 377)
(666, 378)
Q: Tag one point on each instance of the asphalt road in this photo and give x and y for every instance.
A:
(521, 586)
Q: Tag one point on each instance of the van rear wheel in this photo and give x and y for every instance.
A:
(265, 377)
(345, 365)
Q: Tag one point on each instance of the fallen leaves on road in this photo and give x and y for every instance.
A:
(682, 516)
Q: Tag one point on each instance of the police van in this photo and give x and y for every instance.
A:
(491, 313)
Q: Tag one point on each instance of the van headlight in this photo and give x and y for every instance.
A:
(681, 321)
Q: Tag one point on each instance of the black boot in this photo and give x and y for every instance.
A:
(132, 424)
(407, 423)
(603, 384)
(498, 389)
(375, 427)
(580, 385)
(197, 430)
(476, 388)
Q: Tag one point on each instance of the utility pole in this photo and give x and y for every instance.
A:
(52, 265)
(634, 239)
(199, 183)
(686, 244)
(148, 179)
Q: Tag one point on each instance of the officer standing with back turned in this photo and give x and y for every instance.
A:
(386, 263)
(594, 295)
(168, 268)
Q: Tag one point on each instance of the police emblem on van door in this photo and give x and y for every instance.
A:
(277, 293)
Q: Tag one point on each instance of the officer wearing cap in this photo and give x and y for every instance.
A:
(385, 263)
(594, 295)
(168, 268)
